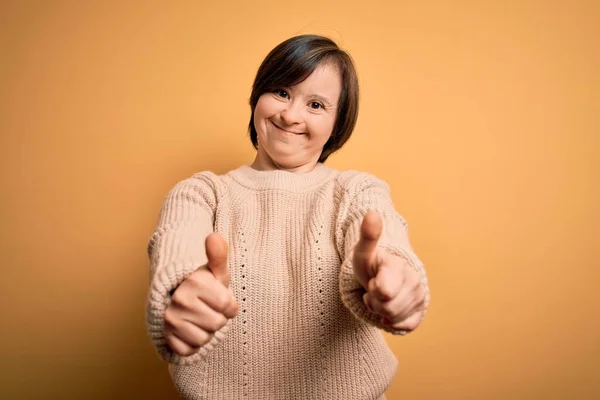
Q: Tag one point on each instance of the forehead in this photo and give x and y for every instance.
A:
(325, 80)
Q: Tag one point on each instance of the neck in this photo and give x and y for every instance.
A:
(268, 164)
(279, 179)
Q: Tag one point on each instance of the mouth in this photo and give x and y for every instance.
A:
(285, 130)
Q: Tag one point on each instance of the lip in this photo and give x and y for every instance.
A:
(284, 130)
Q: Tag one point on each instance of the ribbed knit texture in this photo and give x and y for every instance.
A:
(303, 331)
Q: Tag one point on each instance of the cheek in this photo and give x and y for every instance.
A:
(259, 118)
(265, 107)
(323, 128)
(258, 111)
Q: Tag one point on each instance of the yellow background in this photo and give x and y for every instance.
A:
(482, 116)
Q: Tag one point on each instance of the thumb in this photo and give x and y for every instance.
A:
(365, 249)
(216, 252)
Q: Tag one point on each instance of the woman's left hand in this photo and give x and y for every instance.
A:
(393, 288)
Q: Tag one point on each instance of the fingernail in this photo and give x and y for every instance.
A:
(382, 296)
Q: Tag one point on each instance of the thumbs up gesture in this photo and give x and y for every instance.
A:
(202, 304)
(393, 287)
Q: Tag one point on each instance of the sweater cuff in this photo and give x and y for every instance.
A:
(352, 292)
(164, 282)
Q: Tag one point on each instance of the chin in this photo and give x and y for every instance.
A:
(285, 162)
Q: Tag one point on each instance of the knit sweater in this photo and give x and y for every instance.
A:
(303, 330)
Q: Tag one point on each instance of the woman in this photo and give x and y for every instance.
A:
(275, 280)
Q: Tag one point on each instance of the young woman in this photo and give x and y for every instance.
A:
(275, 280)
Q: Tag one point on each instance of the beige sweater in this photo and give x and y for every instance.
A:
(303, 331)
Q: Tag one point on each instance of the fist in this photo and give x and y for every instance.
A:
(393, 288)
(202, 304)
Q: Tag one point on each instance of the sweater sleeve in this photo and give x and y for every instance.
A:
(176, 249)
(362, 193)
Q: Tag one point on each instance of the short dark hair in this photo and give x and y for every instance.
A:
(291, 62)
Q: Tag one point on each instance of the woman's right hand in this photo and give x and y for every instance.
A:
(202, 304)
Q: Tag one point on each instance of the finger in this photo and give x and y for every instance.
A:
(365, 249)
(411, 323)
(387, 283)
(216, 252)
(394, 310)
(189, 333)
(179, 346)
(404, 304)
(204, 317)
(232, 310)
(211, 291)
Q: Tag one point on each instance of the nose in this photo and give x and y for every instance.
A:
(291, 114)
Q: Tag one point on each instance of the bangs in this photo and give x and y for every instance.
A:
(290, 65)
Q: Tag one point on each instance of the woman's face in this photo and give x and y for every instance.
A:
(294, 123)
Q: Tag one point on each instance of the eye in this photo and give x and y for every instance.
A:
(315, 105)
(281, 93)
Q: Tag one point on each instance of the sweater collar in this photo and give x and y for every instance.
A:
(282, 180)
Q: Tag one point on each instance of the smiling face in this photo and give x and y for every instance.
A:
(294, 123)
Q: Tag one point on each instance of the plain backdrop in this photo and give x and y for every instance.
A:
(482, 116)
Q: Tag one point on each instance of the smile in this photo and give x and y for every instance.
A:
(286, 131)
